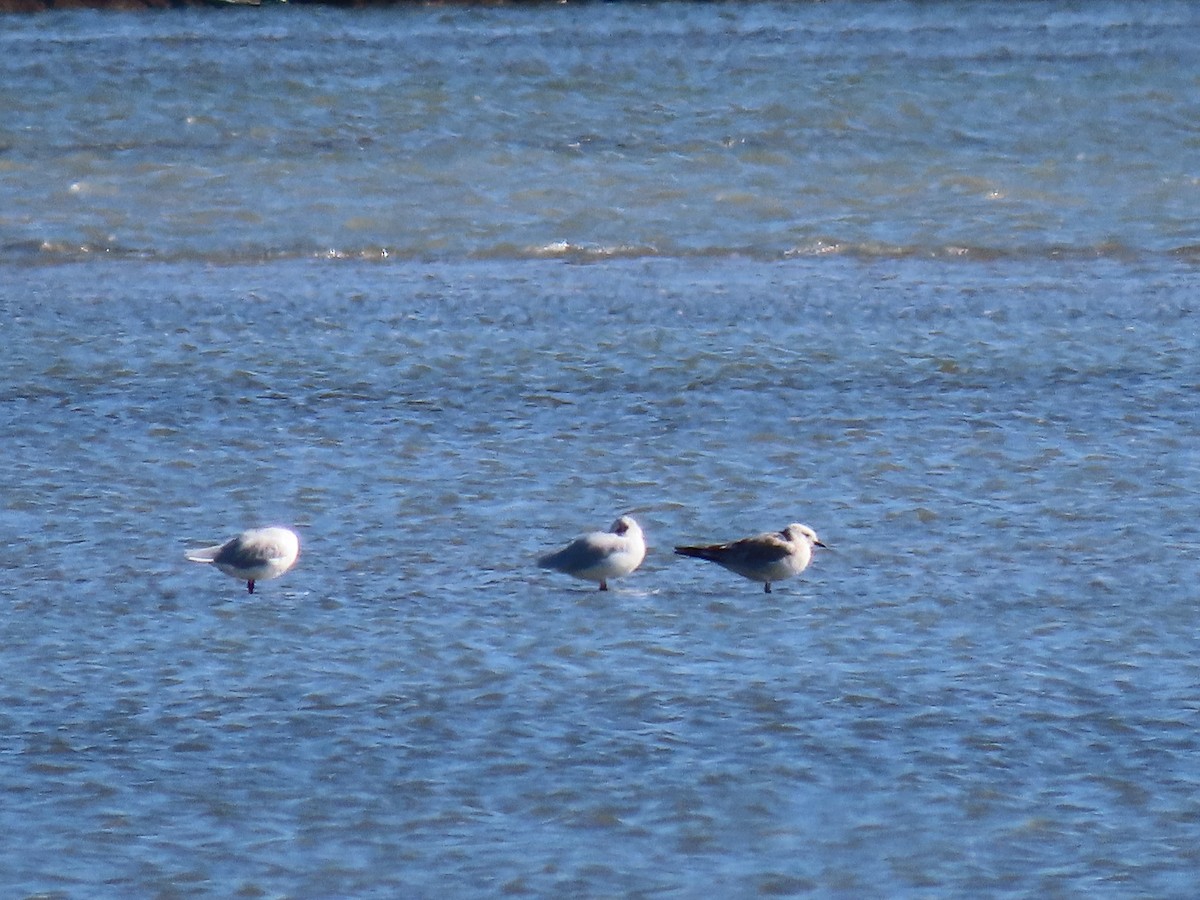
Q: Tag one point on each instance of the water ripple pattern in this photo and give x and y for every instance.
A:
(439, 288)
(852, 128)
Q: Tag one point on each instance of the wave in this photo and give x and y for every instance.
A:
(51, 252)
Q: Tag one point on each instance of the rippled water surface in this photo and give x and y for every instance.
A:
(683, 129)
(444, 288)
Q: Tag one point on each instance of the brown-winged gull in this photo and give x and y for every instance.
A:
(765, 557)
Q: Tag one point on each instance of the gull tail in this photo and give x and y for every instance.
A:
(555, 560)
(204, 554)
(709, 553)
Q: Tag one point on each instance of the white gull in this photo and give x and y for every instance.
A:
(255, 555)
(601, 555)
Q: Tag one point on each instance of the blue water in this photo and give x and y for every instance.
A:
(443, 288)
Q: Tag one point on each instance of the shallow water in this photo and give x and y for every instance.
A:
(986, 407)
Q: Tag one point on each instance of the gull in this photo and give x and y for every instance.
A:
(254, 555)
(765, 557)
(601, 555)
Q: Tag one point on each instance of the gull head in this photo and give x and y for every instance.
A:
(796, 532)
(625, 525)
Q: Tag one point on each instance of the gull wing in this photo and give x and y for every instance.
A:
(582, 553)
